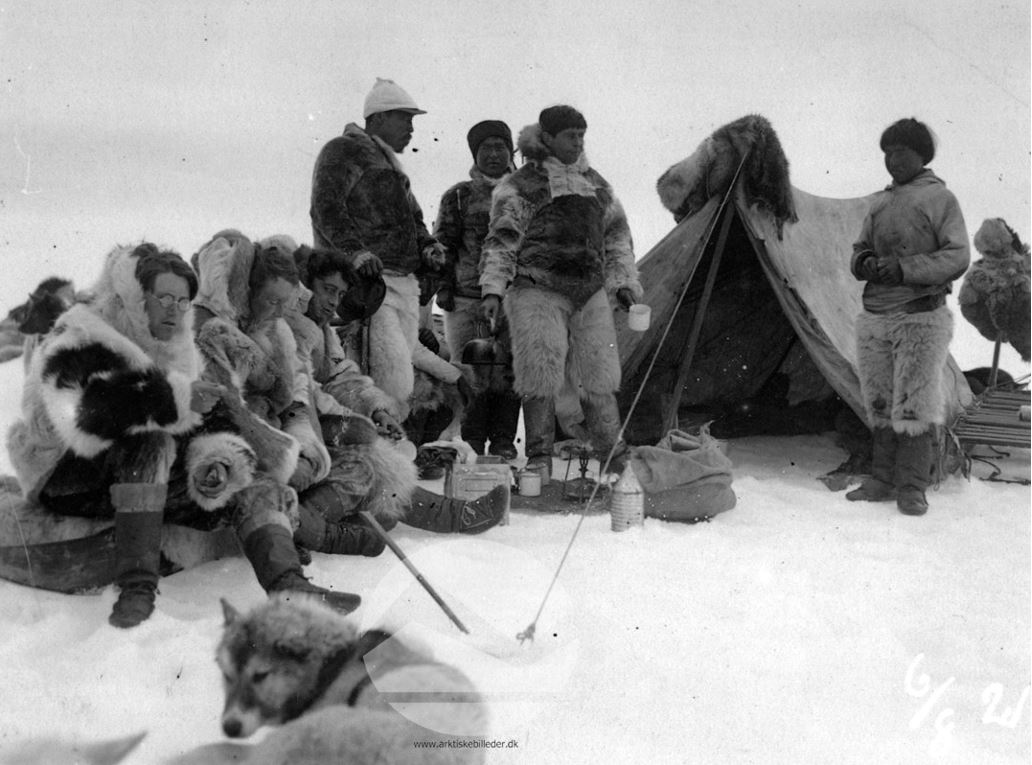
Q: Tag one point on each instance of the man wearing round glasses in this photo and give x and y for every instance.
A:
(166, 303)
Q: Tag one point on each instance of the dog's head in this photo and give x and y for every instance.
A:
(49, 300)
(279, 659)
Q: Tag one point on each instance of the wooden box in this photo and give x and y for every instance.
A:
(476, 480)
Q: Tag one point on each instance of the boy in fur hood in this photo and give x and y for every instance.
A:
(912, 245)
(557, 250)
(108, 394)
(363, 205)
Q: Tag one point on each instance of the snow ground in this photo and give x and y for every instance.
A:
(797, 627)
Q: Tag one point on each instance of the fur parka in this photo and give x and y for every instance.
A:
(919, 225)
(362, 200)
(100, 376)
(559, 227)
(461, 227)
(261, 362)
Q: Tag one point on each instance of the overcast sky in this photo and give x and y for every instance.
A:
(124, 120)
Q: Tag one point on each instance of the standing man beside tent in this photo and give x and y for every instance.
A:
(558, 247)
(362, 204)
(912, 246)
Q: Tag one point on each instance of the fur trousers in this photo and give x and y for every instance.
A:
(394, 347)
(562, 353)
(393, 333)
(901, 358)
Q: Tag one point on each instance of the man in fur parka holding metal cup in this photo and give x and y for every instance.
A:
(912, 246)
(114, 425)
(558, 249)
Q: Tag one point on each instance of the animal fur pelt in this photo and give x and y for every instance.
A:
(994, 297)
(261, 371)
(230, 457)
(686, 186)
(430, 394)
(335, 694)
(385, 476)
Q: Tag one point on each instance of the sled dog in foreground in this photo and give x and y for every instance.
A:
(337, 695)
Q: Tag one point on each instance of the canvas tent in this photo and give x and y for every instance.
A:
(780, 307)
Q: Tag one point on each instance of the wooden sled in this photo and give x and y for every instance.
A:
(69, 554)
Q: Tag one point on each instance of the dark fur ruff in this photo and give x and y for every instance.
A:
(686, 186)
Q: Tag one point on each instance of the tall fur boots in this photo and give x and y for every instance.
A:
(880, 487)
(329, 525)
(539, 424)
(915, 458)
(139, 508)
(901, 469)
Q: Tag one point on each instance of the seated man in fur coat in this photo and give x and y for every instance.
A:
(109, 393)
(558, 248)
(293, 372)
(367, 470)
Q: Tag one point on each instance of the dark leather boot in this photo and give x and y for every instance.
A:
(602, 419)
(444, 515)
(345, 537)
(505, 418)
(539, 426)
(270, 549)
(915, 456)
(139, 508)
(880, 487)
(474, 422)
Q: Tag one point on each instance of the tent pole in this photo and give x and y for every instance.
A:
(994, 372)
(674, 402)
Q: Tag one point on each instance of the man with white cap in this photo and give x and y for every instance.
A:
(362, 205)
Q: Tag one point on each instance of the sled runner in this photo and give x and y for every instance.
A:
(69, 554)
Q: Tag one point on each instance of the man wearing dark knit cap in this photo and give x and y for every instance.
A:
(461, 226)
(558, 251)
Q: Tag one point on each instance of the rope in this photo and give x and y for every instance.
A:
(528, 632)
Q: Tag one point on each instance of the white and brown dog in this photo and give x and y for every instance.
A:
(337, 695)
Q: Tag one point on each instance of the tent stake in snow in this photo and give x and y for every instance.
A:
(382, 532)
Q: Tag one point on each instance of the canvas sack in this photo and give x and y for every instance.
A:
(685, 477)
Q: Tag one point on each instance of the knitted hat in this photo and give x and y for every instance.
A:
(488, 129)
(556, 119)
(911, 133)
(387, 96)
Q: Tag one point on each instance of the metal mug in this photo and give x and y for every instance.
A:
(528, 483)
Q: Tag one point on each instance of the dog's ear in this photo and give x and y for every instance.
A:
(292, 647)
(228, 612)
(369, 640)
